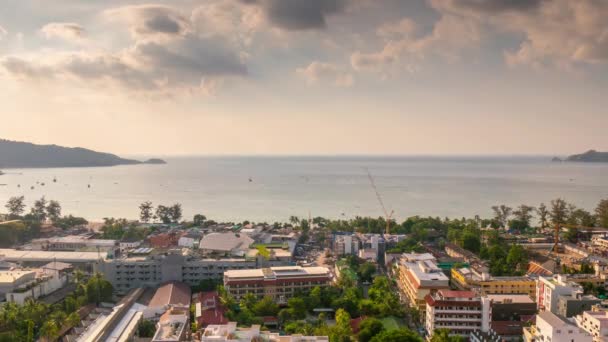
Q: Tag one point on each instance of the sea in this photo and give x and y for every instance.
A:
(269, 189)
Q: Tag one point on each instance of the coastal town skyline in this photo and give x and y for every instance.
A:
(267, 77)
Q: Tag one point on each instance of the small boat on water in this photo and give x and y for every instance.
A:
(54, 179)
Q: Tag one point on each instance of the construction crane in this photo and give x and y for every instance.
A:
(388, 216)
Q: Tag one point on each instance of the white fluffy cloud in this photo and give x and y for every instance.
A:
(65, 31)
(317, 72)
(3, 32)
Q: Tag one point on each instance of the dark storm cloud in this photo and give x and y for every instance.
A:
(151, 20)
(162, 24)
(294, 15)
(497, 6)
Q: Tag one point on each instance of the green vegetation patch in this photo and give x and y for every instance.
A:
(392, 323)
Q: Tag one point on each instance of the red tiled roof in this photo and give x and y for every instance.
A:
(214, 312)
(212, 316)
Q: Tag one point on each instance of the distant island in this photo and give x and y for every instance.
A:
(591, 156)
(16, 154)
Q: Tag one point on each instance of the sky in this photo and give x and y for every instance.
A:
(293, 77)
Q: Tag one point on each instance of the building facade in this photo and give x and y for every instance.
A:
(420, 276)
(279, 283)
(548, 290)
(471, 279)
(550, 328)
(595, 323)
(461, 312)
(151, 271)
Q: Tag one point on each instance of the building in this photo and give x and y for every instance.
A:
(172, 326)
(479, 279)
(420, 276)
(509, 314)
(368, 254)
(190, 240)
(173, 295)
(153, 270)
(345, 244)
(280, 283)
(87, 261)
(209, 310)
(570, 306)
(229, 244)
(550, 328)
(165, 240)
(72, 243)
(548, 290)
(21, 285)
(129, 243)
(456, 251)
(595, 323)
(510, 307)
(462, 312)
(230, 333)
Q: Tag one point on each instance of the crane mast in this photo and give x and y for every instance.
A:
(388, 216)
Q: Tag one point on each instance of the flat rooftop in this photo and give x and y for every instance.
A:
(11, 276)
(48, 256)
(513, 298)
(278, 272)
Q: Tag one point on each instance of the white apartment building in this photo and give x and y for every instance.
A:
(461, 312)
(595, 323)
(230, 333)
(550, 328)
(346, 245)
(548, 290)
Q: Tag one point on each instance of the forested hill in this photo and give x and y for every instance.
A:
(590, 156)
(14, 154)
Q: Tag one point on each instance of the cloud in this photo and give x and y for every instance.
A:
(556, 32)
(496, 6)
(23, 69)
(294, 15)
(152, 21)
(169, 54)
(3, 32)
(65, 31)
(405, 50)
(148, 66)
(317, 72)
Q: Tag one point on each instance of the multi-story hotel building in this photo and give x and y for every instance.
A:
(481, 281)
(280, 283)
(461, 312)
(420, 276)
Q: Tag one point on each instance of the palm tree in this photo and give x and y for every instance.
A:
(294, 220)
(49, 330)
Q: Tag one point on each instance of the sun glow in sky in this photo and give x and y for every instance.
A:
(306, 76)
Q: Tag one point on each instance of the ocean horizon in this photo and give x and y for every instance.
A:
(273, 187)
